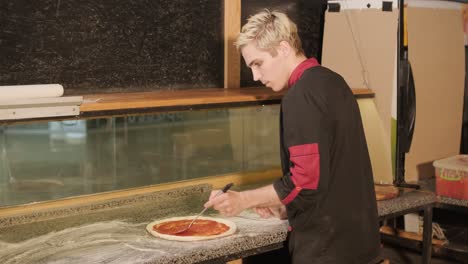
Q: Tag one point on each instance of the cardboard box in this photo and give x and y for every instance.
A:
(452, 177)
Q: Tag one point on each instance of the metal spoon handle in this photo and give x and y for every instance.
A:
(225, 189)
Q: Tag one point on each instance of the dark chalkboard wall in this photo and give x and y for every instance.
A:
(95, 46)
(98, 46)
(307, 14)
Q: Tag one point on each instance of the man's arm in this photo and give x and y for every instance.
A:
(233, 203)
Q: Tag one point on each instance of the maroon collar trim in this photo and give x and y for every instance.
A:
(299, 70)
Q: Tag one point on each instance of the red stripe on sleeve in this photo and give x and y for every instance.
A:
(305, 171)
(291, 195)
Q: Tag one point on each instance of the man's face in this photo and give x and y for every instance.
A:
(270, 70)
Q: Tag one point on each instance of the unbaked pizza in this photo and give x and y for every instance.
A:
(202, 229)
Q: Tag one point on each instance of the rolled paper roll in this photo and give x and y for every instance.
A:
(30, 91)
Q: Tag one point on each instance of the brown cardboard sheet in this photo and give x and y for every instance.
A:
(374, 56)
(361, 45)
(436, 53)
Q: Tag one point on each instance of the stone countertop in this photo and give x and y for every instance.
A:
(453, 201)
(120, 241)
(430, 185)
(407, 200)
(114, 232)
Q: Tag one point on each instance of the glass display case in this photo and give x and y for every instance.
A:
(47, 160)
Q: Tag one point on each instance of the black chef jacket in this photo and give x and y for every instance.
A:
(327, 186)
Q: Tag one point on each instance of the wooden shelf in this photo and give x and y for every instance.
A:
(102, 104)
(121, 104)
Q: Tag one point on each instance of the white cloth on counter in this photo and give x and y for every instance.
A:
(30, 91)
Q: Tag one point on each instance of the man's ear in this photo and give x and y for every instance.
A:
(284, 48)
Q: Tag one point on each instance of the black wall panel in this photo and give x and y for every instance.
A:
(95, 46)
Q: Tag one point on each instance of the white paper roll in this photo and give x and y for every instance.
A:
(30, 91)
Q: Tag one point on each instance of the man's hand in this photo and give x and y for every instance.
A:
(276, 211)
(229, 204)
(233, 203)
(263, 212)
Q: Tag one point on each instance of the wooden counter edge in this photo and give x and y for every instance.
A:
(184, 98)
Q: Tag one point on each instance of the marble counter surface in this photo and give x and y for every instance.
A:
(120, 241)
(114, 232)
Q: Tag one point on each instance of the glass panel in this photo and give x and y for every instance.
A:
(44, 161)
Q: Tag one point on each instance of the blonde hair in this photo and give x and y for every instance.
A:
(268, 29)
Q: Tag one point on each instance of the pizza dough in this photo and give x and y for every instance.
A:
(385, 192)
(385, 196)
(232, 228)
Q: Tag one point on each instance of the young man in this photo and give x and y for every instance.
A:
(327, 184)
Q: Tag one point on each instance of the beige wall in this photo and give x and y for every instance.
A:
(436, 53)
